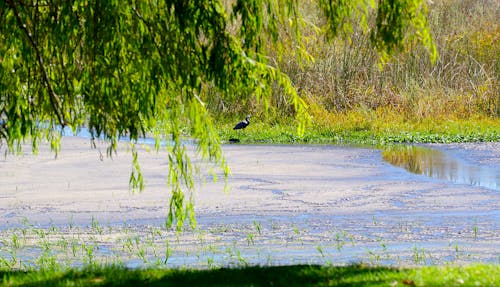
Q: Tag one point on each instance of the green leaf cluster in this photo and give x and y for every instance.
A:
(397, 23)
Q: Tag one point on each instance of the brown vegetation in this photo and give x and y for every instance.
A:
(346, 74)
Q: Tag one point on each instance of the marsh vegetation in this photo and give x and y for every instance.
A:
(351, 99)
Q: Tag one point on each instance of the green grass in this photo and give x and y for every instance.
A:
(369, 128)
(296, 275)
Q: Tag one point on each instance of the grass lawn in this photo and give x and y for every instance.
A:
(296, 275)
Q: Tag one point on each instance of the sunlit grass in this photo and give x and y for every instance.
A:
(364, 126)
(296, 275)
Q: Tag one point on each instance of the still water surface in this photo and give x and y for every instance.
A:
(441, 165)
(416, 159)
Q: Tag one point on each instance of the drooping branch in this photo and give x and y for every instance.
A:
(150, 30)
(54, 99)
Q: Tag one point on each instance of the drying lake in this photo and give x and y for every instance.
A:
(282, 204)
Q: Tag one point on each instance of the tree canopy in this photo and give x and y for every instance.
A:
(128, 68)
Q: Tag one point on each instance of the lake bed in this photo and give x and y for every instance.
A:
(286, 204)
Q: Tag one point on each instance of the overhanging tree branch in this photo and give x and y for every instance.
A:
(54, 99)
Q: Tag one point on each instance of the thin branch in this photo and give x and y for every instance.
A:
(148, 26)
(54, 99)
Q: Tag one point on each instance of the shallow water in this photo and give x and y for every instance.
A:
(391, 239)
(85, 133)
(312, 203)
(442, 165)
(421, 160)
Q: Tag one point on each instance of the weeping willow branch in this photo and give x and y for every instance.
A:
(54, 99)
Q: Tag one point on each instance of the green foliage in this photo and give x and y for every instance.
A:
(126, 68)
(394, 19)
(397, 22)
(367, 127)
(296, 275)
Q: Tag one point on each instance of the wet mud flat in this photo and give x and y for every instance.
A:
(286, 205)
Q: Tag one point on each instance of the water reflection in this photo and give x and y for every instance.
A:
(438, 164)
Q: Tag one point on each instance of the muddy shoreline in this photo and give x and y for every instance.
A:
(302, 197)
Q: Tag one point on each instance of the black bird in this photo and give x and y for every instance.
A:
(242, 124)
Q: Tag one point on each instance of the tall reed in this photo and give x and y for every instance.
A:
(346, 75)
